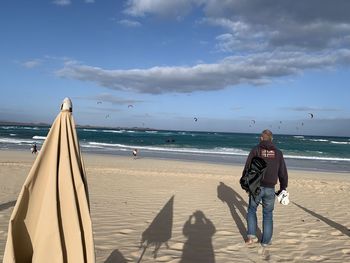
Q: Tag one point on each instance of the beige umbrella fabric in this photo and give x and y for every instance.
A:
(51, 219)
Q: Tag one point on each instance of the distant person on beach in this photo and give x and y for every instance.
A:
(276, 170)
(134, 153)
(34, 149)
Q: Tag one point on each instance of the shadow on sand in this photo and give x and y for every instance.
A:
(341, 228)
(199, 231)
(116, 257)
(7, 205)
(237, 205)
(159, 231)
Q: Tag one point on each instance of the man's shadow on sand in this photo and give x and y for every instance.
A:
(237, 205)
(199, 231)
(341, 228)
(159, 231)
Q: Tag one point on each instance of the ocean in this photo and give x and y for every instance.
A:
(301, 152)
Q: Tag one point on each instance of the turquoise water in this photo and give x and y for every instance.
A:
(319, 148)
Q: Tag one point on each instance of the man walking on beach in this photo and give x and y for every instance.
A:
(276, 170)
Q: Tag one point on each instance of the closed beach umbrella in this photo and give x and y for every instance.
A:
(51, 219)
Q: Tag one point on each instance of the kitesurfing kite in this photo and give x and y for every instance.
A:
(107, 116)
(253, 121)
(195, 119)
(99, 102)
(130, 106)
(311, 115)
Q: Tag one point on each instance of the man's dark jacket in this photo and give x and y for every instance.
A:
(276, 167)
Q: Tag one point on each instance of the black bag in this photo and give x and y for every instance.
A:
(251, 178)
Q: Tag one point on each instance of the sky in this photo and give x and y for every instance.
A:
(224, 62)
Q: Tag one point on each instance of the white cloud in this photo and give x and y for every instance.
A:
(265, 25)
(232, 43)
(106, 97)
(62, 2)
(166, 8)
(293, 25)
(129, 23)
(254, 69)
(31, 63)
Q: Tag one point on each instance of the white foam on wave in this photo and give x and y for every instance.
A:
(221, 151)
(317, 158)
(90, 130)
(39, 137)
(167, 133)
(114, 131)
(319, 140)
(23, 128)
(15, 141)
(299, 137)
(91, 146)
(151, 131)
(13, 134)
(336, 142)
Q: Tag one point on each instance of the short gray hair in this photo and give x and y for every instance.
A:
(266, 135)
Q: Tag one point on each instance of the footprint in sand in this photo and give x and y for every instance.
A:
(336, 233)
(224, 233)
(265, 253)
(177, 246)
(314, 233)
(126, 231)
(292, 241)
(164, 259)
(290, 234)
(346, 251)
(234, 247)
(136, 254)
(318, 258)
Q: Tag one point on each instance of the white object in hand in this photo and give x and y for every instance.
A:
(283, 197)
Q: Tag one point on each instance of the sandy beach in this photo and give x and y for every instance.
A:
(146, 198)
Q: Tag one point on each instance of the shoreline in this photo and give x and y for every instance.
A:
(233, 160)
(97, 158)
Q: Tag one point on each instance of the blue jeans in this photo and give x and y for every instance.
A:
(267, 196)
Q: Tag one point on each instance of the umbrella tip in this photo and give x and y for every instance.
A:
(66, 105)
